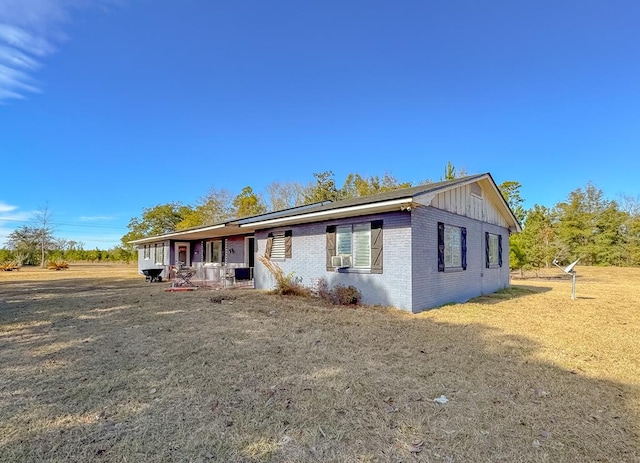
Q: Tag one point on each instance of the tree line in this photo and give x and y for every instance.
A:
(585, 225)
(31, 245)
(219, 205)
(36, 245)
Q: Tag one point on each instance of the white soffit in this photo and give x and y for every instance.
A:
(187, 234)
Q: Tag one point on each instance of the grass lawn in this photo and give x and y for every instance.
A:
(98, 365)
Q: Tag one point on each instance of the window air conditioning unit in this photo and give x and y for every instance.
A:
(342, 261)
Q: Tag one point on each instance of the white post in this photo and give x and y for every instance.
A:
(573, 286)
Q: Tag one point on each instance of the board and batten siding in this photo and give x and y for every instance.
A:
(463, 201)
(308, 259)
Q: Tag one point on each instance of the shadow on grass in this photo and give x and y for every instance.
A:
(151, 376)
(511, 293)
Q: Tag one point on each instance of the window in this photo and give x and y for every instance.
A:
(279, 245)
(146, 252)
(363, 242)
(493, 250)
(452, 247)
(159, 253)
(213, 252)
(355, 240)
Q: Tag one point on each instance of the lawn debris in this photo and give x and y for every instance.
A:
(415, 446)
(220, 298)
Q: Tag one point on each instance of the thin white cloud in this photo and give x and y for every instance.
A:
(10, 219)
(29, 32)
(95, 218)
(16, 59)
(4, 207)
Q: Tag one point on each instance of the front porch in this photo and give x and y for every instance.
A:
(211, 276)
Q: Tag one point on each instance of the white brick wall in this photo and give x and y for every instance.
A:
(432, 288)
(410, 278)
(392, 287)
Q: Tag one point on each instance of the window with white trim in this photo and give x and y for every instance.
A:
(159, 253)
(493, 254)
(213, 252)
(146, 251)
(452, 247)
(355, 240)
(277, 246)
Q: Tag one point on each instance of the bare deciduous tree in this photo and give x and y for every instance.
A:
(43, 224)
(284, 195)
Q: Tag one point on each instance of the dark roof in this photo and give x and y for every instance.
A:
(281, 213)
(408, 193)
(371, 199)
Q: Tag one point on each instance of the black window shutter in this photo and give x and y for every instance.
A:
(440, 247)
(463, 231)
(500, 250)
(331, 245)
(376, 246)
(267, 250)
(287, 244)
(486, 250)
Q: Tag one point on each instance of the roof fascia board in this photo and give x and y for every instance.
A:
(181, 234)
(502, 204)
(249, 220)
(425, 198)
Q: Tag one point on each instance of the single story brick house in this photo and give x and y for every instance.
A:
(414, 248)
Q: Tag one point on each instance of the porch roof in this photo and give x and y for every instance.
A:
(223, 229)
(200, 233)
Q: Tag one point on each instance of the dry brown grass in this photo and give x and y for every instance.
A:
(98, 365)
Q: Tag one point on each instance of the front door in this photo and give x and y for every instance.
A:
(250, 250)
(183, 254)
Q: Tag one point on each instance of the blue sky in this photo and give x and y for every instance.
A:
(110, 106)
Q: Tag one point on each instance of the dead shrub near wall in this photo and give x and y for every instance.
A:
(339, 294)
(286, 285)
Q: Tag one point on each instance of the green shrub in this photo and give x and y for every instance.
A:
(6, 255)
